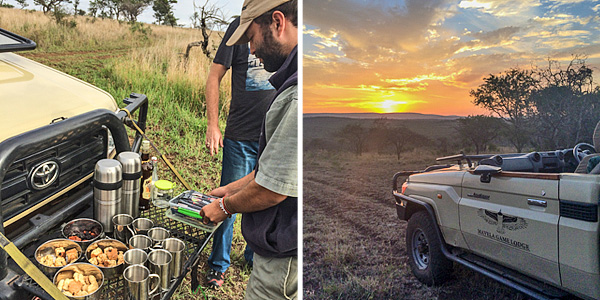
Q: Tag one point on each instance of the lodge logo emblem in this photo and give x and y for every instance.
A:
(502, 221)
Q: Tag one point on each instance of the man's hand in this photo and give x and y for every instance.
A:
(232, 187)
(220, 192)
(214, 139)
(212, 212)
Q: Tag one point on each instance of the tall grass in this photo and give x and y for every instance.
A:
(90, 33)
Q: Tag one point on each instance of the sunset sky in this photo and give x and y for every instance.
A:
(426, 55)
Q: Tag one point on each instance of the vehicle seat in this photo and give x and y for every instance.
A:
(582, 168)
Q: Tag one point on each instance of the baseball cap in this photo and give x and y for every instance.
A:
(251, 10)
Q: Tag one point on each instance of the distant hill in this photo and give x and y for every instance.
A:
(321, 126)
(391, 116)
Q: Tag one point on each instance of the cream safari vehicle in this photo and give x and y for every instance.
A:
(53, 129)
(529, 220)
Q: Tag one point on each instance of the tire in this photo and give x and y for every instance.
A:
(425, 256)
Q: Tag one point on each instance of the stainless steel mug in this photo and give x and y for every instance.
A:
(177, 249)
(140, 242)
(159, 261)
(122, 227)
(158, 235)
(142, 225)
(135, 257)
(132, 172)
(138, 282)
(107, 191)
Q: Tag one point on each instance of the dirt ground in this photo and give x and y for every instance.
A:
(354, 243)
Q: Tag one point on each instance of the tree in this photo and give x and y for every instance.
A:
(112, 9)
(567, 107)
(7, 5)
(378, 132)
(101, 8)
(404, 139)
(209, 19)
(163, 12)
(508, 96)
(133, 8)
(356, 135)
(22, 3)
(49, 5)
(479, 130)
(76, 10)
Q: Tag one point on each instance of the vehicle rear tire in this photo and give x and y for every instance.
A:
(426, 259)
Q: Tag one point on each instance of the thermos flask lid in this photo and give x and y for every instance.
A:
(108, 171)
(131, 161)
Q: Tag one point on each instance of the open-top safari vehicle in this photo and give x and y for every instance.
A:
(53, 130)
(528, 220)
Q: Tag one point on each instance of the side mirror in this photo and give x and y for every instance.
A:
(486, 172)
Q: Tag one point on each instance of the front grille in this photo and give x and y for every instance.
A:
(579, 211)
(76, 158)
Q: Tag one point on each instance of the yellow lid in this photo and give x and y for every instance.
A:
(164, 184)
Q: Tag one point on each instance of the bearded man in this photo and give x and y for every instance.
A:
(267, 197)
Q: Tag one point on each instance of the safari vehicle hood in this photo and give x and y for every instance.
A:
(33, 95)
(448, 176)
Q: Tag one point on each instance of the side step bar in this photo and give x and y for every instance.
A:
(513, 276)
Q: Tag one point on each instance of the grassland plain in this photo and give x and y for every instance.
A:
(354, 243)
(146, 59)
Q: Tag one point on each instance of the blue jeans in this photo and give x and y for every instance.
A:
(239, 159)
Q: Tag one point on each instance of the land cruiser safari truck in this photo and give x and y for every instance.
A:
(53, 129)
(527, 220)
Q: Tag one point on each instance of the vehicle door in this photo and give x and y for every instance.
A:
(513, 220)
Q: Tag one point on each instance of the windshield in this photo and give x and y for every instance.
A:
(10, 42)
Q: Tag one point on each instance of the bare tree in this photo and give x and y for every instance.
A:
(208, 18)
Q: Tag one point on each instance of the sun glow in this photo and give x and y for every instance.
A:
(387, 106)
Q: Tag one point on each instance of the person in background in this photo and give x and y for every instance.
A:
(250, 96)
(268, 196)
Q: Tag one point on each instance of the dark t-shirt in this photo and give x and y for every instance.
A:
(251, 91)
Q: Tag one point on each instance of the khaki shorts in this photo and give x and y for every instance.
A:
(273, 278)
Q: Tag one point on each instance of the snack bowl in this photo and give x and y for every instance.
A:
(89, 230)
(110, 272)
(48, 248)
(85, 269)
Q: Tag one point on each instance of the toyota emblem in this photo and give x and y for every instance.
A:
(44, 175)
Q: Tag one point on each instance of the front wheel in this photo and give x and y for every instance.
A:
(426, 259)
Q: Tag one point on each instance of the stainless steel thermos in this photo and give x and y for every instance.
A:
(108, 183)
(132, 172)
